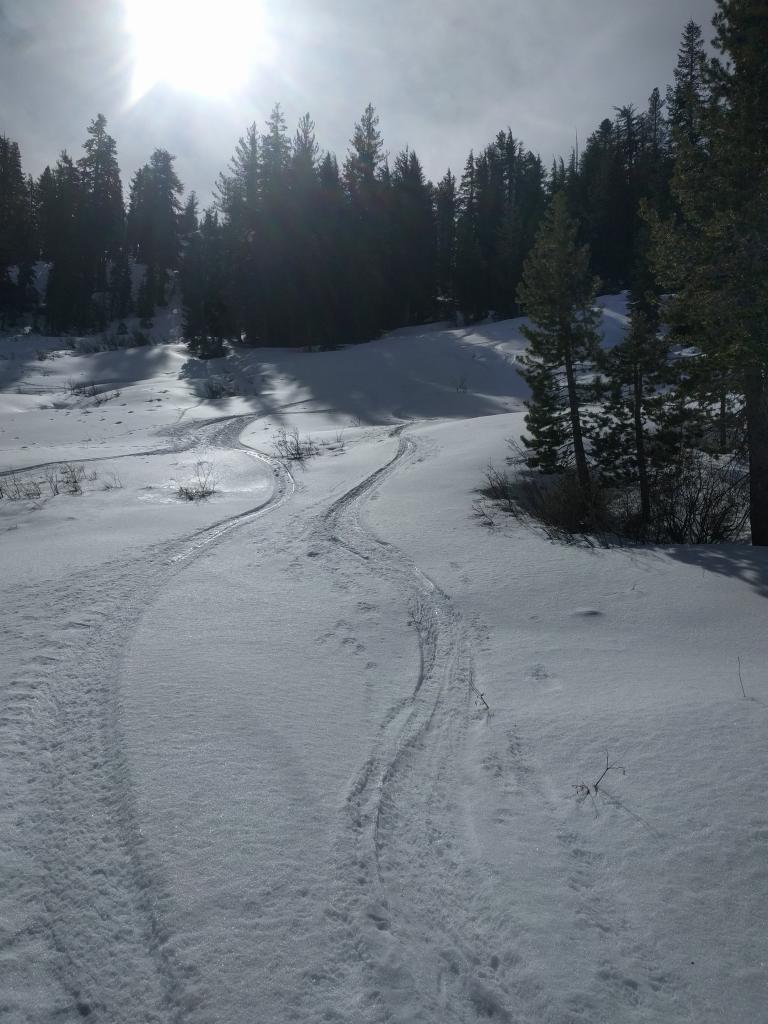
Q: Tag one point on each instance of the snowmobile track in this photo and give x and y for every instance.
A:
(421, 733)
(102, 897)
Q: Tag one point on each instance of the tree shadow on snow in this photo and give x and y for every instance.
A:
(739, 561)
(424, 374)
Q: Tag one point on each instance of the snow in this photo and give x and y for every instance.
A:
(243, 770)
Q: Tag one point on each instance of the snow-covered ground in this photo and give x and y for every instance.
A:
(244, 775)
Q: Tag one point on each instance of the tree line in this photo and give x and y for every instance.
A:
(667, 421)
(299, 249)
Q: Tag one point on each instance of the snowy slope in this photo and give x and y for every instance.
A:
(244, 771)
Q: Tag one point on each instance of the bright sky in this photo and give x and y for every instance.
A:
(445, 76)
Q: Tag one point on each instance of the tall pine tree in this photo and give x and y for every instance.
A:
(558, 293)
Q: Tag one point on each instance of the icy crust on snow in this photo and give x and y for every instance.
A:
(244, 770)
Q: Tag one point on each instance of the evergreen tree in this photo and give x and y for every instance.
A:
(189, 220)
(630, 431)
(411, 276)
(365, 154)
(239, 202)
(366, 177)
(445, 214)
(713, 257)
(471, 274)
(153, 226)
(558, 294)
(16, 241)
(120, 287)
(206, 318)
(687, 98)
(102, 214)
(69, 289)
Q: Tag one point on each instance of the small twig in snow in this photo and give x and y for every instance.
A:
(583, 790)
(743, 691)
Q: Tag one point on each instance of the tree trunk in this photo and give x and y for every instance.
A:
(642, 469)
(723, 421)
(582, 470)
(756, 400)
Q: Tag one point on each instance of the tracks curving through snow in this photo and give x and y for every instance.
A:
(87, 903)
(404, 882)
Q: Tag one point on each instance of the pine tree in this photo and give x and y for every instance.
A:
(412, 251)
(153, 225)
(102, 214)
(713, 257)
(558, 294)
(69, 288)
(366, 152)
(445, 214)
(120, 287)
(239, 202)
(189, 220)
(16, 239)
(366, 179)
(471, 275)
(206, 319)
(630, 432)
(687, 98)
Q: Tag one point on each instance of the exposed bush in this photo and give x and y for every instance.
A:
(202, 485)
(207, 347)
(290, 447)
(696, 500)
(67, 478)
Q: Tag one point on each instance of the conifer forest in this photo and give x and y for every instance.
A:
(301, 250)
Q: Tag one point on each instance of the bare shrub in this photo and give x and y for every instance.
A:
(290, 447)
(72, 477)
(83, 389)
(53, 481)
(112, 482)
(20, 487)
(585, 789)
(556, 502)
(105, 396)
(202, 485)
(699, 501)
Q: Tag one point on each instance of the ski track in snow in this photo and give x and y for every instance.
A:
(416, 900)
(99, 927)
(402, 796)
(415, 934)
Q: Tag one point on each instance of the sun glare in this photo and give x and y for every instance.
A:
(203, 46)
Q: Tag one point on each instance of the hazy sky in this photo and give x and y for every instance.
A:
(445, 75)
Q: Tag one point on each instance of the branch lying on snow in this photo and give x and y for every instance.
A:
(583, 789)
(479, 697)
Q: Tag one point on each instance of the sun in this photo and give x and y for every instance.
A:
(204, 46)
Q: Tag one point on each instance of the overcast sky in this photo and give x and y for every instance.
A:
(444, 75)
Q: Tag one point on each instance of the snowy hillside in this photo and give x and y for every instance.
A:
(245, 774)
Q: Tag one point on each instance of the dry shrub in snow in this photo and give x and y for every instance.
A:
(695, 500)
(66, 478)
(202, 485)
(290, 447)
(557, 502)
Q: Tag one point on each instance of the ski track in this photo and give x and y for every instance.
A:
(417, 904)
(98, 926)
(414, 932)
(381, 836)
